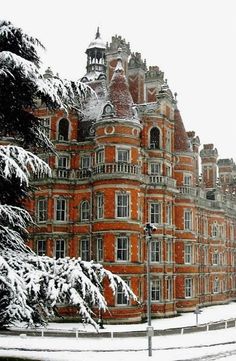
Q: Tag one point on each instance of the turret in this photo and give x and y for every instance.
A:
(96, 64)
(209, 156)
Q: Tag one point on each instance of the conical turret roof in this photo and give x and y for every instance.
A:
(181, 141)
(119, 93)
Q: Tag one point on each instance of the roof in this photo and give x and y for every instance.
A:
(181, 141)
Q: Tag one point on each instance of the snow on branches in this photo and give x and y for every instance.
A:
(44, 282)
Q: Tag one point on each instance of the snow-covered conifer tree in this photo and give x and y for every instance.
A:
(31, 286)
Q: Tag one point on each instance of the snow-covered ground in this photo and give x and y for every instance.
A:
(204, 346)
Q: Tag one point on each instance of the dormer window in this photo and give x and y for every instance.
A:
(155, 138)
(63, 130)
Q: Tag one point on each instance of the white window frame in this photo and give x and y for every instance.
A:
(122, 205)
(85, 161)
(188, 253)
(188, 287)
(216, 285)
(63, 162)
(100, 205)
(46, 126)
(188, 180)
(84, 211)
(61, 209)
(188, 220)
(155, 251)
(42, 212)
(41, 247)
(121, 299)
(156, 290)
(85, 249)
(169, 288)
(123, 155)
(155, 168)
(99, 249)
(169, 251)
(169, 214)
(122, 249)
(215, 258)
(60, 248)
(155, 211)
(100, 156)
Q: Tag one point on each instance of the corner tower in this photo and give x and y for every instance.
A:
(96, 63)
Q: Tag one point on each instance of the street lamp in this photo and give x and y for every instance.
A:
(149, 228)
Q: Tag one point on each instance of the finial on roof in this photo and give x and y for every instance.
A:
(97, 33)
(175, 95)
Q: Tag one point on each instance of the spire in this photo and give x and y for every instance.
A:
(97, 33)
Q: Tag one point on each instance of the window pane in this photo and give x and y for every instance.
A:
(41, 247)
(61, 210)
(42, 210)
(121, 298)
(123, 155)
(156, 290)
(122, 205)
(122, 249)
(155, 247)
(99, 249)
(60, 248)
(85, 249)
(155, 213)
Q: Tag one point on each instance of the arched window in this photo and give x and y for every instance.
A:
(63, 129)
(155, 138)
(84, 211)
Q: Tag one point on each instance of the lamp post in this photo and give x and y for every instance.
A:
(149, 228)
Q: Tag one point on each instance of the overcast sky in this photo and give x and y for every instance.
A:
(192, 41)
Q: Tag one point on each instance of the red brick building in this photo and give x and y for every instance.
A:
(125, 161)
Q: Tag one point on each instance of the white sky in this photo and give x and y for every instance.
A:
(192, 41)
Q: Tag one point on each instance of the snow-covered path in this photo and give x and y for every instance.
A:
(203, 346)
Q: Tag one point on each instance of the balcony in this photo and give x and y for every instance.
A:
(116, 168)
(162, 181)
(187, 191)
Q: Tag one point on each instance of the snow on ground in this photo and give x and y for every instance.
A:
(204, 346)
(209, 314)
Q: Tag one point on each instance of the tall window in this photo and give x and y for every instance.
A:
(100, 206)
(99, 246)
(85, 161)
(155, 213)
(188, 253)
(187, 180)
(42, 210)
(216, 285)
(121, 297)
(63, 162)
(61, 209)
(41, 247)
(188, 219)
(60, 248)
(206, 260)
(123, 155)
(45, 124)
(168, 141)
(169, 252)
(84, 211)
(169, 289)
(63, 129)
(155, 138)
(155, 168)
(100, 156)
(169, 213)
(214, 229)
(122, 249)
(156, 290)
(155, 249)
(85, 249)
(122, 205)
(215, 257)
(188, 287)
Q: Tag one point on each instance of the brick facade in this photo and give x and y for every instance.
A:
(126, 161)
